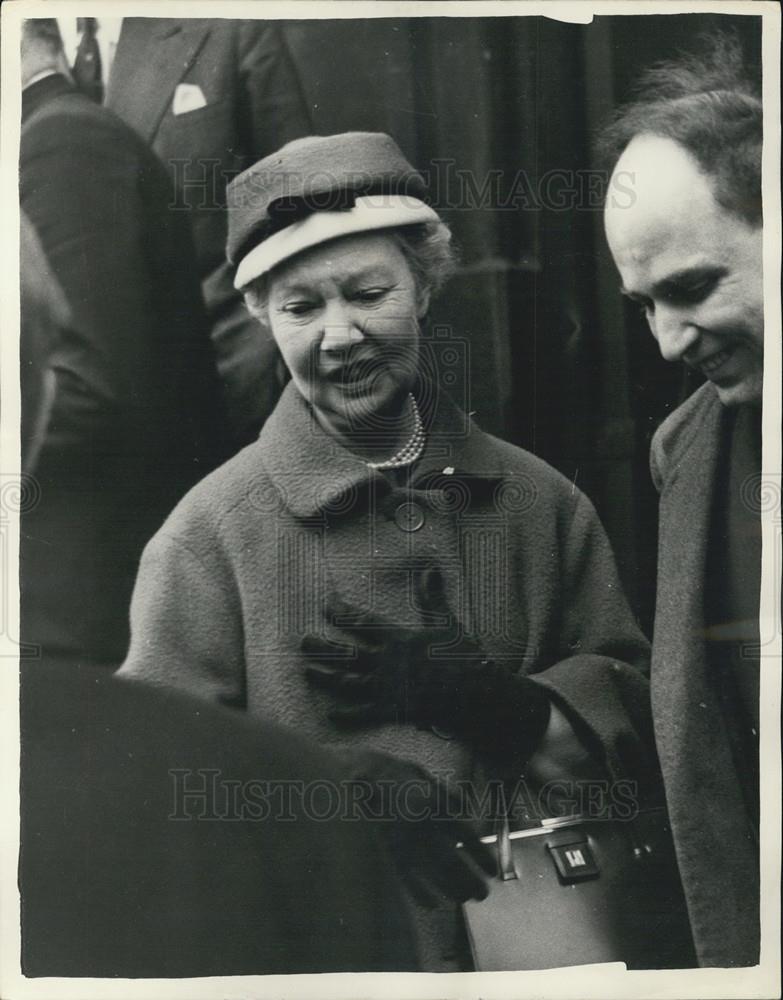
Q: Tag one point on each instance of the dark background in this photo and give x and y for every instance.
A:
(558, 363)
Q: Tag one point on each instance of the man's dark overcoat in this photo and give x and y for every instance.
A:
(135, 417)
(715, 839)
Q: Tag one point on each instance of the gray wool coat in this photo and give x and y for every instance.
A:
(713, 835)
(249, 561)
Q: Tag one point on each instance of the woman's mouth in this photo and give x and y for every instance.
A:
(356, 386)
(357, 374)
(352, 381)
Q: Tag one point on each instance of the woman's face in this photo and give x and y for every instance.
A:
(345, 316)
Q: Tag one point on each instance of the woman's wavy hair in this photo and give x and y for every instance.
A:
(427, 247)
(710, 104)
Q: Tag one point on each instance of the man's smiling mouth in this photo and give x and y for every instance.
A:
(709, 366)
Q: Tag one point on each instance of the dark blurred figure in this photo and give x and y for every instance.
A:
(120, 877)
(133, 413)
(44, 313)
(212, 96)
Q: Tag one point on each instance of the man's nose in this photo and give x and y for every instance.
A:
(341, 330)
(675, 332)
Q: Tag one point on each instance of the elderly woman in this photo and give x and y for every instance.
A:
(376, 571)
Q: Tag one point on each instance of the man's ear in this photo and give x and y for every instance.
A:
(422, 302)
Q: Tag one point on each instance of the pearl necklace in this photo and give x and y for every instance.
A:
(409, 452)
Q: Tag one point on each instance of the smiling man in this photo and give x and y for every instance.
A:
(693, 266)
(688, 248)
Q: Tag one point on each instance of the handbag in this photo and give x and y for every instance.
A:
(577, 891)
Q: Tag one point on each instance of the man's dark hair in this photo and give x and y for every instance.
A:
(707, 103)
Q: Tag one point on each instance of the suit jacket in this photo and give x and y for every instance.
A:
(136, 861)
(714, 838)
(136, 416)
(253, 105)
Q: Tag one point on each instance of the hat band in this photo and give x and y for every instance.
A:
(370, 212)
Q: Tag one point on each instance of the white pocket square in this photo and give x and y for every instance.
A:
(188, 97)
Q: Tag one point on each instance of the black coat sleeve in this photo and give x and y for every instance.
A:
(600, 682)
(79, 186)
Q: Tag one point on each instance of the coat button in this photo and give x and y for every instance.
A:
(409, 517)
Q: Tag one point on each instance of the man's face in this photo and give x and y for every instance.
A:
(693, 267)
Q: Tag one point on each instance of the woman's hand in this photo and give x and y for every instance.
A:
(502, 713)
(395, 676)
(420, 676)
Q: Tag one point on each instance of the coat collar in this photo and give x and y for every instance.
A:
(42, 91)
(314, 472)
(165, 48)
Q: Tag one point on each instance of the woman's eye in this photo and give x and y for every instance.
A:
(299, 307)
(370, 294)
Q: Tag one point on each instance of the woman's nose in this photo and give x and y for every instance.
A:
(340, 328)
(675, 332)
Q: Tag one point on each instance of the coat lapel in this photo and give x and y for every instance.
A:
(164, 48)
(684, 533)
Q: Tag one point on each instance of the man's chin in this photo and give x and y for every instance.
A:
(743, 392)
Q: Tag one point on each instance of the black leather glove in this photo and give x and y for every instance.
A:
(409, 676)
(420, 822)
